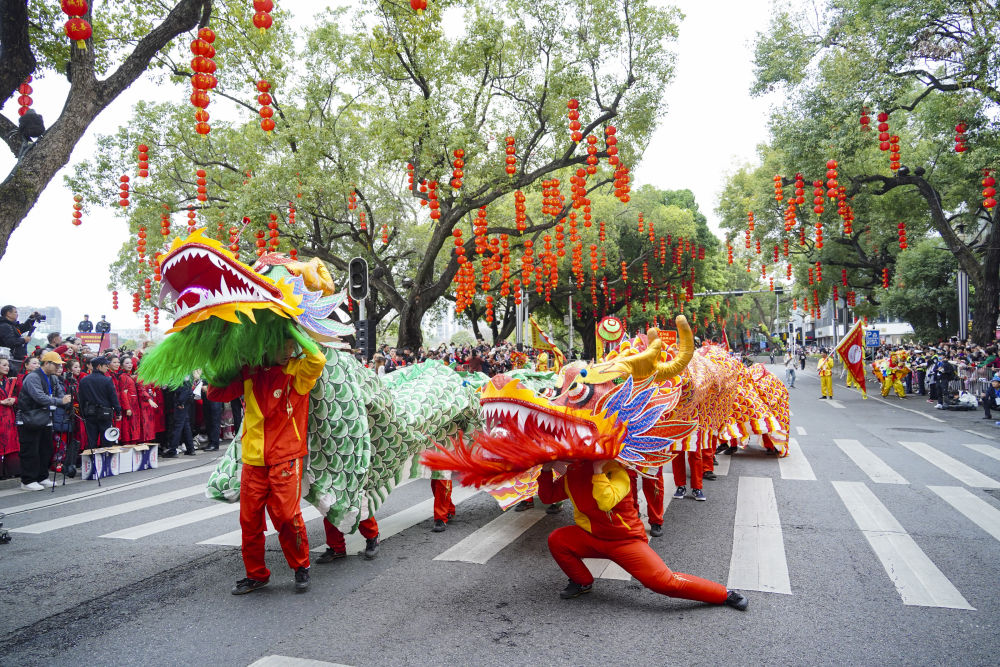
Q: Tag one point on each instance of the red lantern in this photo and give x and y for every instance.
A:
(77, 28)
(574, 120)
(865, 120)
(262, 19)
(989, 191)
(418, 6)
(960, 130)
(114, 300)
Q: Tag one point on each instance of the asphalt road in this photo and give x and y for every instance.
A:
(883, 552)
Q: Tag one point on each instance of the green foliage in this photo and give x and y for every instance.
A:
(462, 338)
(924, 294)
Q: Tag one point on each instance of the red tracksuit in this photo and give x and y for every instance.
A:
(335, 539)
(653, 490)
(608, 526)
(680, 476)
(444, 508)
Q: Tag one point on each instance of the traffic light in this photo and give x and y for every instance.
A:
(357, 277)
(365, 339)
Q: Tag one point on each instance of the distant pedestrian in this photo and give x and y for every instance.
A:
(802, 358)
(790, 369)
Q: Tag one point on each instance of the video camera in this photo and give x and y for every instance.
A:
(37, 317)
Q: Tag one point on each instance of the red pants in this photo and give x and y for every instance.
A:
(653, 490)
(335, 539)
(570, 544)
(277, 488)
(708, 459)
(443, 506)
(694, 460)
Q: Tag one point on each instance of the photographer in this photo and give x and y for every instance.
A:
(15, 335)
(41, 393)
(98, 402)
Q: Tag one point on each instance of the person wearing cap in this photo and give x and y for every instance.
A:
(98, 402)
(991, 397)
(85, 325)
(40, 393)
(103, 326)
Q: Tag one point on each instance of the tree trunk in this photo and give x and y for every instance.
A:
(987, 297)
(410, 318)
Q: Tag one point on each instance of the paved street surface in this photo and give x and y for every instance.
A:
(876, 541)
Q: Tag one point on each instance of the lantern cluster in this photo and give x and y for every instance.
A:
(432, 200)
(114, 300)
(261, 243)
(789, 271)
(851, 299)
(272, 226)
(123, 190)
(147, 289)
(24, 96)
(520, 212)
(818, 197)
(203, 79)
(457, 165)
(902, 235)
(165, 221)
(552, 199)
(147, 323)
(574, 120)
(894, 152)
(192, 219)
(266, 110)
(77, 28)
(262, 18)
(611, 145)
(136, 302)
(831, 179)
(622, 188)
(843, 277)
(883, 131)
(143, 166)
(409, 176)
(960, 130)
(819, 272)
(291, 215)
(234, 241)
(885, 278)
(591, 154)
(480, 232)
(140, 244)
(865, 120)
(729, 253)
(202, 185)
(989, 190)
(778, 192)
(511, 158)
(156, 315)
(77, 210)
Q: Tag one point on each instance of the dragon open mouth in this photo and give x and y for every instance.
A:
(197, 277)
(508, 415)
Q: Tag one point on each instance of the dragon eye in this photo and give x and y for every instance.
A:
(576, 391)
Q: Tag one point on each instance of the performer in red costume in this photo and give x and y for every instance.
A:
(128, 395)
(652, 488)
(694, 460)
(273, 446)
(444, 507)
(608, 526)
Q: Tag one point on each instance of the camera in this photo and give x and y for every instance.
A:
(37, 316)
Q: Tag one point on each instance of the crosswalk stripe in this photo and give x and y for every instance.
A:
(602, 568)
(975, 509)
(286, 661)
(795, 465)
(835, 403)
(234, 538)
(952, 466)
(800, 431)
(917, 580)
(400, 521)
(53, 499)
(869, 462)
(723, 466)
(758, 560)
(106, 512)
(988, 450)
(171, 522)
(489, 540)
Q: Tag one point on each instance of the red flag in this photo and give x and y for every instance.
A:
(852, 352)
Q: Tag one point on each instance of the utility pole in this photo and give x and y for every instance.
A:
(569, 321)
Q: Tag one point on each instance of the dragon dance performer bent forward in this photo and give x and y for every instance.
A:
(274, 445)
(608, 526)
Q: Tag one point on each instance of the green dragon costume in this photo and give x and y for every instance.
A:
(362, 430)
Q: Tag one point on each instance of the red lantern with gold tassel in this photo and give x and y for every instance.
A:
(24, 96)
(989, 190)
(262, 18)
(77, 28)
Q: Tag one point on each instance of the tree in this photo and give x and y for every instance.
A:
(925, 294)
(403, 92)
(936, 64)
(128, 37)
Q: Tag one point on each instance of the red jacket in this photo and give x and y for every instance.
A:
(602, 503)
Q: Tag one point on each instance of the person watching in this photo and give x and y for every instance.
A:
(41, 392)
(54, 340)
(991, 397)
(85, 325)
(103, 326)
(15, 335)
(98, 402)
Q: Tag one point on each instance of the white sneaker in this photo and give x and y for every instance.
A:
(47, 483)
(34, 486)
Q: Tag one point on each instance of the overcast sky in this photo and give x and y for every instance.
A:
(712, 125)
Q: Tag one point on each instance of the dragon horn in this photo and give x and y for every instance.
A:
(647, 363)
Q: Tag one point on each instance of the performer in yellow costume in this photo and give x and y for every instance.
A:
(894, 374)
(824, 368)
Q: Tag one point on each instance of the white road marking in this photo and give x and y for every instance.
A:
(723, 467)
(234, 538)
(106, 512)
(52, 499)
(975, 509)
(171, 522)
(400, 521)
(870, 463)
(286, 661)
(919, 582)
(833, 403)
(489, 540)
(981, 435)
(988, 450)
(758, 559)
(602, 568)
(952, 466)
(800, 431)
(795, 465)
